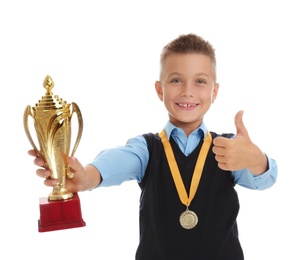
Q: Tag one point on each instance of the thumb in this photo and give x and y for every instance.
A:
(74, 164)
(239, 124)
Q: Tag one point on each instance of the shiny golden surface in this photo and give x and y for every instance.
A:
(52, 123)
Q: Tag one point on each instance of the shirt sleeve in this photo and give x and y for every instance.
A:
(122, 163)
(257, 182)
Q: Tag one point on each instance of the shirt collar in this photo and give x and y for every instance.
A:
(170, 127)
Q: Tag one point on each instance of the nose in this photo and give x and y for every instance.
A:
(187, 90)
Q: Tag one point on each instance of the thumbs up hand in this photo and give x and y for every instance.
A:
(240, 152)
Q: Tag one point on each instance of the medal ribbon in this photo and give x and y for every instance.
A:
(198, 170)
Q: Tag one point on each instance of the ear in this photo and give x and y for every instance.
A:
(215, 92)
(159, 90)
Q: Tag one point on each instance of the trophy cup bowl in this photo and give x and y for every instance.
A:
(52, 123)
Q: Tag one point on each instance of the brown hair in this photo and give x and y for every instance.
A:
(189, 43)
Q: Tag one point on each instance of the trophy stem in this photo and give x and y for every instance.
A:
(60, 194)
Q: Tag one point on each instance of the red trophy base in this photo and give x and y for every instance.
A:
(60, 214)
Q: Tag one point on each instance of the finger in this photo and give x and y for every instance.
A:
(74, 164)
(50, 182)
(32, 153)
(239, 124)
(218, 141)
(221, 141)
(43, 173)
(218, 150)
(223, 166)
(39, 162)
(220, 159)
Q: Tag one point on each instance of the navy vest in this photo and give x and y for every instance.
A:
(216, 204)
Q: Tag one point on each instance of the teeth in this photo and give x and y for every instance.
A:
(186, 105)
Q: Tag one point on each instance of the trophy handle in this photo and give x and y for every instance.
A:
(27, 113)
(75, 109)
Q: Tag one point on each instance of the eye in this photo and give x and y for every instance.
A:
(175, 80)
(201, 81)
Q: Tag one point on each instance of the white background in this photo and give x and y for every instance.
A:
(104, 55)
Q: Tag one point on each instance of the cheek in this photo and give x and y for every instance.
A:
(206, 96)
(167, 100)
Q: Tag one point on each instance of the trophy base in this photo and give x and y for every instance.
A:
(57, 215)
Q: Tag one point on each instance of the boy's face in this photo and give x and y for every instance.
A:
(187, 88)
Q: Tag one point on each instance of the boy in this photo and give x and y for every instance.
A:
(187, 174)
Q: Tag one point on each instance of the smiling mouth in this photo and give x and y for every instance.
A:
(187, 105)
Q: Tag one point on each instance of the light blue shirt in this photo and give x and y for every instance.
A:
(129, 162)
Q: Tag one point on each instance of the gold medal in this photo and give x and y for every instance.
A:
(188, 219)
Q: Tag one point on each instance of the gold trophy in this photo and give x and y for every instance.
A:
(52, 122)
